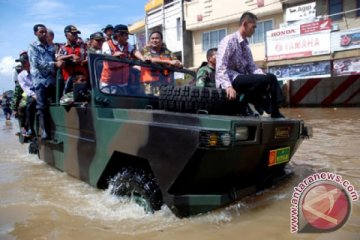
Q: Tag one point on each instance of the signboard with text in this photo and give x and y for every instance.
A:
(348, 66)
(302, 71)
(345, 40)
(297, 41)
(300, 12)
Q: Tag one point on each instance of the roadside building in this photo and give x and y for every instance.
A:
(138, 29)
(307, 42)
(318, 45)
(167, 17)
(315, 44)
(211, 20)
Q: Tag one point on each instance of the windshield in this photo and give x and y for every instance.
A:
(134, 78)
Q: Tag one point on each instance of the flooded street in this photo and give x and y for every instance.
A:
(39, 202)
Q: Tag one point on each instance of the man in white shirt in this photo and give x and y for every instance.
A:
(26, 83)
(118, 46)
(115, 76)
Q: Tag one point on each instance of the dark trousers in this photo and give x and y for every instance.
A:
(256, 87)
(22, 116)
(30, 113)
(43, 96)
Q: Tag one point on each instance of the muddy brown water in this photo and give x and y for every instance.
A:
(39, 202)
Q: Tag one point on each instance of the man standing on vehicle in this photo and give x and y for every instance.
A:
(108, 30)
(15, 102)
(42, 69)
(73, 53)
(26, 84)
(237, 73)
(115, 76)
(96, 41)
(118, 46)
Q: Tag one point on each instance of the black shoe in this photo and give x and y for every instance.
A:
(246, 111)
(277, 114)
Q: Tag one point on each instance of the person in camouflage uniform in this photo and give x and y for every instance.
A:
(17, 91)
(16, 106)
(96, 41)
(205, 76)
(156, 52)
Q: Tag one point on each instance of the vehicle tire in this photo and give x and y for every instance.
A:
(139, 186)
(191, 99)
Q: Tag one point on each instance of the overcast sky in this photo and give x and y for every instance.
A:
(17, 18)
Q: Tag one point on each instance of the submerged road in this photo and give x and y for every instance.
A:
(39, 202)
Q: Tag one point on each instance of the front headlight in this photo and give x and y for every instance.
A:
(226, 139)
(241, 133)
(215, 139)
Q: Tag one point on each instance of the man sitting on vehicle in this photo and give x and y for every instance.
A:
(115, 75)
(237, 73)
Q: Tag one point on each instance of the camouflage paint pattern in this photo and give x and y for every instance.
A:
(93, 141)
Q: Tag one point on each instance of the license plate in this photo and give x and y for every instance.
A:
(280, 155)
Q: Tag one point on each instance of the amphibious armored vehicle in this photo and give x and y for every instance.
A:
(164, 142)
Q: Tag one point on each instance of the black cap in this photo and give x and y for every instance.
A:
(97, 35)
(109, 26)
(71, 28)
(121, 28)
(23, 57)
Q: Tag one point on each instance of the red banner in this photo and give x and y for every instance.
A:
(315, 26)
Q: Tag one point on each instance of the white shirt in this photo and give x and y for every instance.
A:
(106, 48)
(26, 82)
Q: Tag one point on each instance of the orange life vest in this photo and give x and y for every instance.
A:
(115, 72)
(69, 69)
(149, 75)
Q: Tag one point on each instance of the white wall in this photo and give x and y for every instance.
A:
(166, 17)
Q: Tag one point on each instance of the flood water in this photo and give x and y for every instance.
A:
(39, 202)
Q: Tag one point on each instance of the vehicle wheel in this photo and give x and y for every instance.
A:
(139, 186)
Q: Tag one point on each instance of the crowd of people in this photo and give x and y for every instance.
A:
(230, 66)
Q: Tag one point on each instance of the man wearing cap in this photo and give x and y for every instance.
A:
(96, 41)
(118, 46)
(73, 52)
(115, 76)
(29, 95)
(108, 30)
(42, 70)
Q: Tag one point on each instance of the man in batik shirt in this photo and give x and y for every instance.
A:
(42, 70)
(237, 73)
